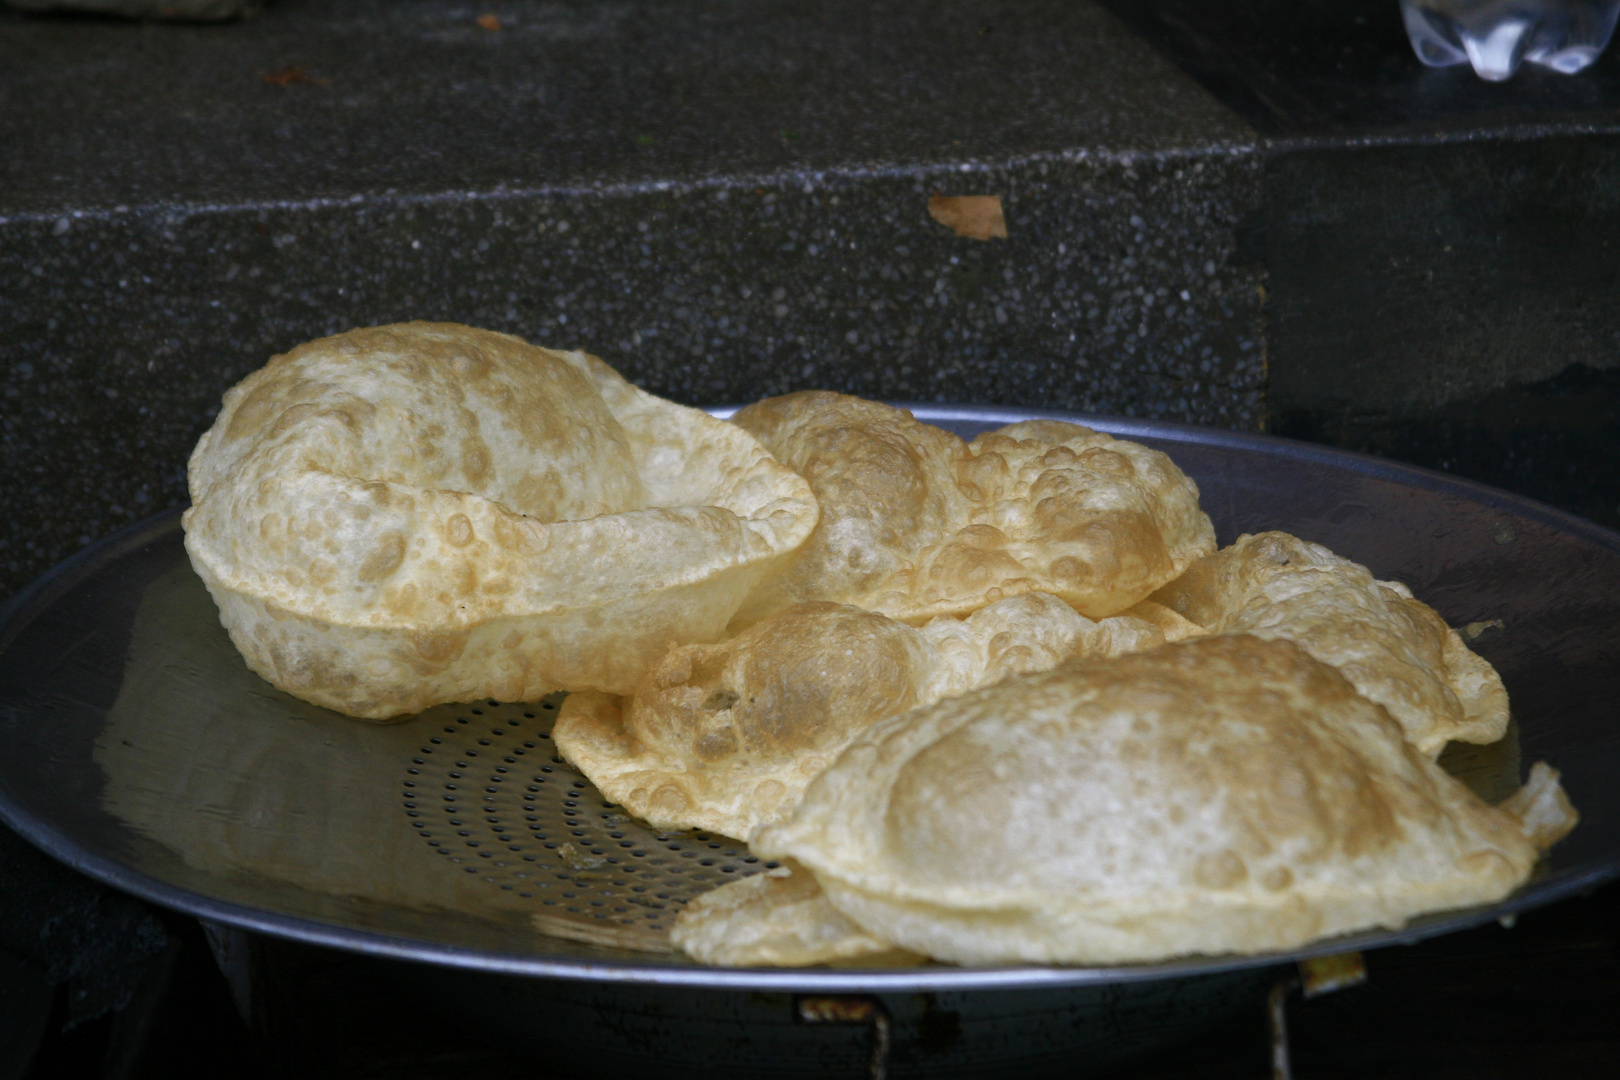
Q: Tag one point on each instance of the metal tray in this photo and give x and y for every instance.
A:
(136, 747)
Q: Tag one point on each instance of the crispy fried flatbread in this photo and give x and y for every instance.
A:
(725, 737)
(916, 523)
(777, 918)
(413, 514)
(1225, 794)
(1394, 649)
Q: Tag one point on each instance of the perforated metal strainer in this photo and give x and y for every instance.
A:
(489, 794)
(136, 746)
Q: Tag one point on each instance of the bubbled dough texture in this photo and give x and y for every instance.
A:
(1394, 649)
(916, 523)
(776, 918)
(405, 515)
(725, 737)
(1223, 794)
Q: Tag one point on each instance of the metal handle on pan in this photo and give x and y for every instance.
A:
(851, 1009)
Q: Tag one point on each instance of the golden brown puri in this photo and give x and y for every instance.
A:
(1224, 794)
(412, 514)
(725, 737)
(777, 918)
(1394, 649)
(917, 523)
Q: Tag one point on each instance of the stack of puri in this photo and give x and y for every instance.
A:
(985, 702)
(937, 566)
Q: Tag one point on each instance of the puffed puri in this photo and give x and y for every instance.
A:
(1225, 794)
(1395, 649)
(916, 523)
(407, 515)
(726, 737)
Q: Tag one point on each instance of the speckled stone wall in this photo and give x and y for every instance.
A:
(1456, 269)
(1114, 293)
(329, 99)
(1467, 319)
(1442, 254)
(724, 200)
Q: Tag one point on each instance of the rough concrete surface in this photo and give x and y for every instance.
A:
(1451, 270)
(329, 98)
(724, 199)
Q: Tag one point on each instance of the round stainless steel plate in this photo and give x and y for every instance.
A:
(136, 746)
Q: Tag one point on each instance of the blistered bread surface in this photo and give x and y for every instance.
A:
(725, 737)
(1224, 794)
(916, 523)
(405, 515)
(1395, 649)
(778, 918)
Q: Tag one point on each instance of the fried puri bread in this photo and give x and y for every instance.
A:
(406, 515)
(1225, 794)
(777, 918)
(782, 918)
(916, 523)
(1396, 650)
(725, 737)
